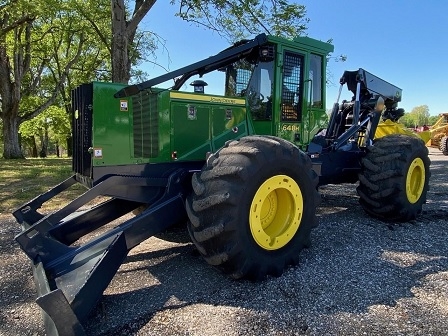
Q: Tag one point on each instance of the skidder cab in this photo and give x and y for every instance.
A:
(240, 169)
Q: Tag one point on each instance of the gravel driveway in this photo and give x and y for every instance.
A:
(360, 277)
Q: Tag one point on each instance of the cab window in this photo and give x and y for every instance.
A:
(315, 76)
(259, 91)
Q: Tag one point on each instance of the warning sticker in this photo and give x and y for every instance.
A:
(124, 105)
(98, 153)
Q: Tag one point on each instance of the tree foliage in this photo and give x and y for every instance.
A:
(233, 20)
(45, 50)
(432, 120)
(420, 115)
(48, 47)
(407, 120)
(237, 19)
(16, 18)
(53, 123)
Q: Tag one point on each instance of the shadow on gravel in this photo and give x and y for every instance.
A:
(354, 265)
(355, 262)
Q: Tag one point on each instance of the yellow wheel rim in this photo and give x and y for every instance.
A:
(276, 212)
(415, 180)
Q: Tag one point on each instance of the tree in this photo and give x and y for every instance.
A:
(231, 19)
(15, 25)
(38, 51)
(407, 120)
(420, 115)
(53, 124)
(24, 61)
(123, 34)
(92, 64)
(237, 19)
(41, 45)
(433, 120)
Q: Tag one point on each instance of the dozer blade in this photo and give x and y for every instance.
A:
(69, 290)
(71, 279)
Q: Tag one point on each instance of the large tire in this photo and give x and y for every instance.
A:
(395, 176)
(444, 145)
(253, 207)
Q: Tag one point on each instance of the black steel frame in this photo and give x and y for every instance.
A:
(70, 278)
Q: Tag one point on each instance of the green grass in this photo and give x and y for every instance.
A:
(22, 180)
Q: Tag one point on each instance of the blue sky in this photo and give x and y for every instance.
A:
(404, 42)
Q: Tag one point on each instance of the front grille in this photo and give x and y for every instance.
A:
(145, 125)
(82, 106)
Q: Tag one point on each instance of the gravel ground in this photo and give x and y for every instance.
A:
(360, 277)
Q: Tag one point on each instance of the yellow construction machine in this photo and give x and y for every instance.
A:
(439, 134)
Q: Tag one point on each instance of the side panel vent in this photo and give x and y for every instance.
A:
(145, 125)
(82, 104)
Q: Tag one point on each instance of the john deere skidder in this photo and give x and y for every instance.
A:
(241, 170)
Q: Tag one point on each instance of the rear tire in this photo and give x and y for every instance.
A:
(394, 181)
(253, 207)
(444, 145)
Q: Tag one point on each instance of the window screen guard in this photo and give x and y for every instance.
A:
(291, 98)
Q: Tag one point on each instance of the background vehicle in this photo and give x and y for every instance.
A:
(439, 134)
(242, 170)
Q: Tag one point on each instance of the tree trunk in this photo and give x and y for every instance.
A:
(10, 94)
(11, 148)
(69, 146)
(121, 66)
(58, 154)
(44, 142)
(123, 34)
(10, 110)
(34, 147)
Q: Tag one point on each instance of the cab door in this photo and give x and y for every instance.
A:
(260, 98)
(291, 94)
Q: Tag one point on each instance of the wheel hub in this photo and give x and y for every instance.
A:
(415, 180)
(276, 212)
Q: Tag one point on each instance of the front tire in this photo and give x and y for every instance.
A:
(395, 176)
(253, 207)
